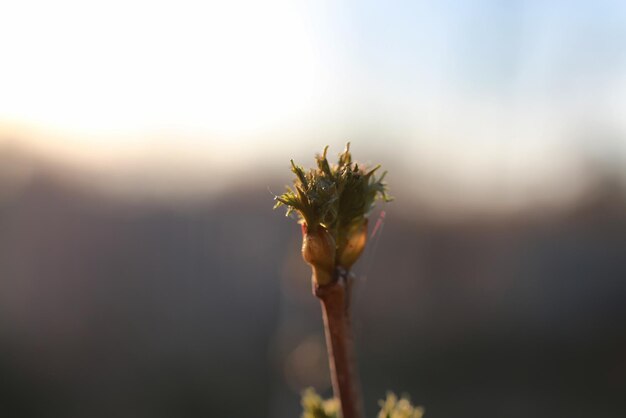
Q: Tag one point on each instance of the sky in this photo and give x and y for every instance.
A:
(451, 91)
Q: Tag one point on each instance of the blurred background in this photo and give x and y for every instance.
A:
(143, 272)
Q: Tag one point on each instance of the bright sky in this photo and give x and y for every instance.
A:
(136, 71)
(463, 89)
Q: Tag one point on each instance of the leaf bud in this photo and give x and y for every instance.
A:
(318, 250)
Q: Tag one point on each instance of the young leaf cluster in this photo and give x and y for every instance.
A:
(315, 407)
(338, 197)
(392, 407)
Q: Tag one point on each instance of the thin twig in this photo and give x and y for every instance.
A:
(339, 342)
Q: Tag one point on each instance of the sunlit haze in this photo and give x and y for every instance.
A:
(483, 97)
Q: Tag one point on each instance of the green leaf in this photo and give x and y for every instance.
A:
(337, 197)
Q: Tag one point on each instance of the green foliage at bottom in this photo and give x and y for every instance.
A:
(315, 407)
(392, 407)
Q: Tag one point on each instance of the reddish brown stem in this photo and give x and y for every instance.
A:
(339, 343)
